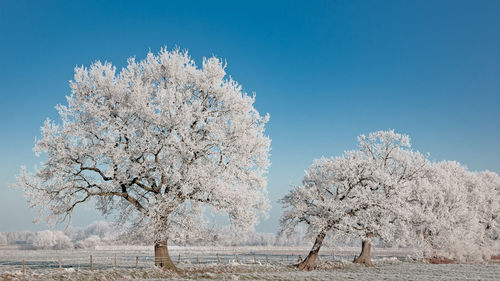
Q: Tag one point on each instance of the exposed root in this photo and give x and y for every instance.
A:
(363, 260)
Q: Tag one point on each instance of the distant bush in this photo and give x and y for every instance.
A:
(89, 243)
(49, 239)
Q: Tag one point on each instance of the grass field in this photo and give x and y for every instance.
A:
(237, 263)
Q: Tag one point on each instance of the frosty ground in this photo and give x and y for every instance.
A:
(237, 263)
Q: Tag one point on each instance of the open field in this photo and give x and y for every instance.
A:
(237, 263)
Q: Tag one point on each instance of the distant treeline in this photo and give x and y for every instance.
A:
(103, 233)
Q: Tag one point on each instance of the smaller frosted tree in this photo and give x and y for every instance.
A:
(320, 203)
(384, 196)
(363, 194)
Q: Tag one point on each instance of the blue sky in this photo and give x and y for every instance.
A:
(325, 71)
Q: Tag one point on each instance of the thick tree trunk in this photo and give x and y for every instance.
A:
(162, 258)
(365, 256)
(308, 263)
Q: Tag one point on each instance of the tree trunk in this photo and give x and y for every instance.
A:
(308, 263)
(365, 256)
(162, 258)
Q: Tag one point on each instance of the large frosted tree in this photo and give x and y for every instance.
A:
(159, 146)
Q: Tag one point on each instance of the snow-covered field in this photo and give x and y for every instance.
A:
(241, 263)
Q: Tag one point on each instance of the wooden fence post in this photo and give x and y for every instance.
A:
(197, 260)
(218, 259)
(91, 264)
(254, 260)
(115, 260)
(136, 262)
(60, 265)
(24, 267)
(179, 259)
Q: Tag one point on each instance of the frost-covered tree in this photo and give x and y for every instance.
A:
(160, 145)
(317, 204)
(456, 213)
(362, 194)
(384, 194)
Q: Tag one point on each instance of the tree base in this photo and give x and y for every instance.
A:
(365, 256)
(162, 258)
(309, 263)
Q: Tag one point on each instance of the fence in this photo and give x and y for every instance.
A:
(131, 258)
(100, 261)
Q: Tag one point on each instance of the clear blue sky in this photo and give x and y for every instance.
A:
(325, 72)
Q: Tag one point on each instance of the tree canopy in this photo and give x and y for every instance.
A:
(160, 146)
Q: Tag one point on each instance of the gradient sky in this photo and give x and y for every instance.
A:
(324, 71)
